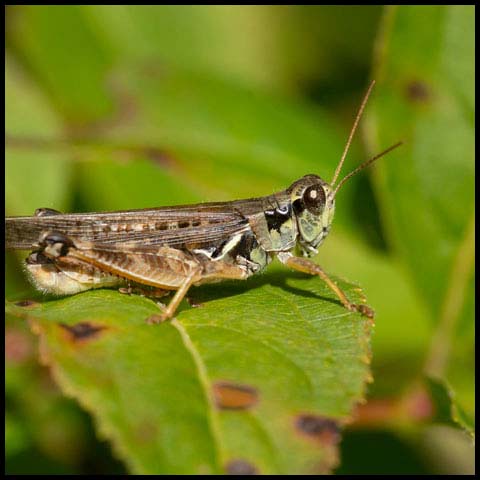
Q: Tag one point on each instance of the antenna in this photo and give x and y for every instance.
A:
(352, 132)
(363, 165)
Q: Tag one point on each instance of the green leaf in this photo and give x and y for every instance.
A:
(430, 197)
(16, 437)
(425, 73)
(33, 178)
(260, 377)
(257, 45)
(434, 187)
(446, 407)
(59, 45)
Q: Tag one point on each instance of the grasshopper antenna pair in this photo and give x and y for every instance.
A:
(347, 147)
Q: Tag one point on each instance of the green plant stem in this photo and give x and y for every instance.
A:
(437, 357)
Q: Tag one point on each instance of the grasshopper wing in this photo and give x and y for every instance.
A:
(167, 226)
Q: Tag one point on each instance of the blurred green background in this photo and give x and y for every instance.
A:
(128, 107)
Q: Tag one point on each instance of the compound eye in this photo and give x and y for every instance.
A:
(314, 199)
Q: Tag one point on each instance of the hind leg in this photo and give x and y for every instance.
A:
(159, 268)
(61, 277)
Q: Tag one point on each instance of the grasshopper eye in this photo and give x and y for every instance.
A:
(314, 199)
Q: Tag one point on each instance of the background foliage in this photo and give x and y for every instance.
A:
(129, 107)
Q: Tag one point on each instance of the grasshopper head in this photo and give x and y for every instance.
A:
(313, 202)
(313, 199)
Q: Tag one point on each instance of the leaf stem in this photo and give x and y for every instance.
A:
(454, 298)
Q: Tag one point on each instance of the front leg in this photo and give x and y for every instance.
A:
(307, 266)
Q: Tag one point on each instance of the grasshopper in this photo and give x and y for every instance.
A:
(173, 248)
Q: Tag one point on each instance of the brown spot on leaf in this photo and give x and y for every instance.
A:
(125, 109)
(418, 91)
(153, 70)
(325, 430)
(26, 303)
(82, 331)
(146, 431)
(240, 467)
(160, 157)
(18, 345)
(232, 396)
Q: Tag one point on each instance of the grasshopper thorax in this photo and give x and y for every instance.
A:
(313, 203)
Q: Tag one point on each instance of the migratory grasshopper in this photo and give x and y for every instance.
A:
(173, 248)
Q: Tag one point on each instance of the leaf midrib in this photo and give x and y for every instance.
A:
(213, 420)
